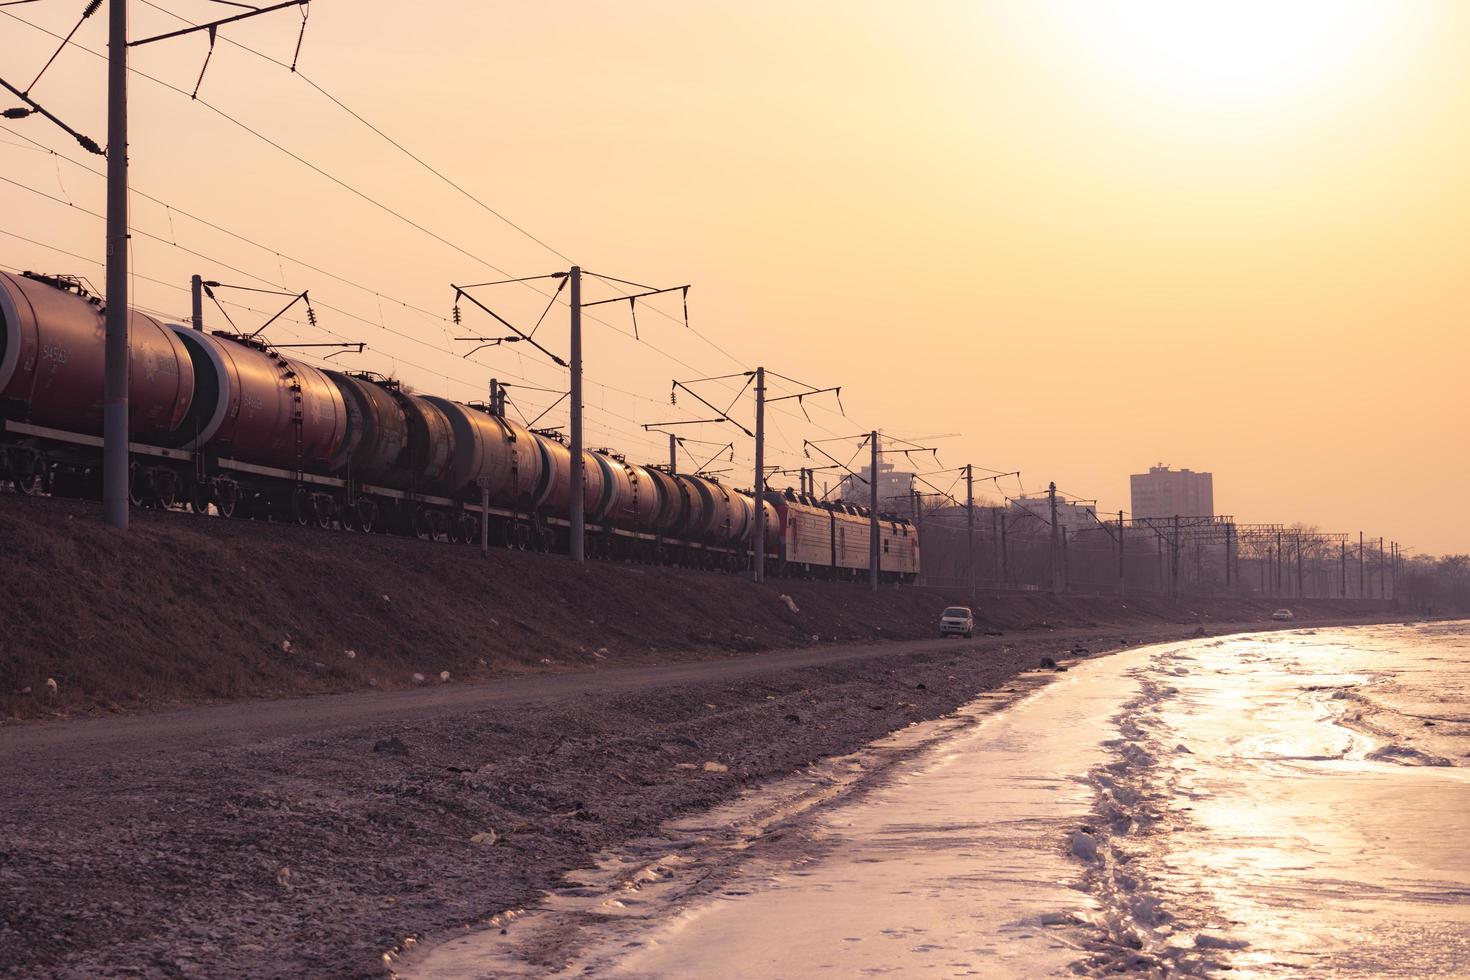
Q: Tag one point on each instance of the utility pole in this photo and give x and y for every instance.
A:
(1066, 566)
(115, 378)
(970, 525)
(1301, 585)
(1005, 550)
(1381, 569)
(1342, 586)
(1051, 493)
(673, 454)
(196, 293)
(1361, 573)
(578, 489)
(1228, 528)
(758, 543)
(873, 552)
(1122, 581)
(995, 544)
(1174, 561)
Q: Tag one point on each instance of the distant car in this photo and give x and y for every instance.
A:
(957, 621)
(1285, 615)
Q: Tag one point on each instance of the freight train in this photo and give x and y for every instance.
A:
(224, 424)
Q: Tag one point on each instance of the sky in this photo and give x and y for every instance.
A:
(1069, 239)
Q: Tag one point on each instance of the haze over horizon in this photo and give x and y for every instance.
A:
(1229, 238)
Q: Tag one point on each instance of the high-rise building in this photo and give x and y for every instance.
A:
(1162, 492)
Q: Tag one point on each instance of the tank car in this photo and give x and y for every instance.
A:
(258, 406)
(51, 372)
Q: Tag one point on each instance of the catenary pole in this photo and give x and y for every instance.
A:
(1121, 567)
(758, 541)
(115, 377)
(196, 296)
(673, 453)
(970, 524)
(1361, 572)
(873, 516)
(578, 521)
(1056, 570)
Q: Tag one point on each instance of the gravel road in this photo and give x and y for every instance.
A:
(307, 837)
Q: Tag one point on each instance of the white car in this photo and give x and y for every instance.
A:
(957, 621)
(1285, 615)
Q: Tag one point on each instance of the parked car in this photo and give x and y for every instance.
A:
(1285, 615)
(957, 621)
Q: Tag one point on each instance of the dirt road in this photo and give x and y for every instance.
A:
(307, 837)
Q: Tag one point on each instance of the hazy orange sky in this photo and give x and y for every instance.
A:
(1089, 237)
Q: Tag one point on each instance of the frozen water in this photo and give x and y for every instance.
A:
(1287, 804)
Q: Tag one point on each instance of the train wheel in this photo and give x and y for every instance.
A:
(472, 528)
(138, 480)
(227, 498)
(302, 509)
(200, 494)
(324, 508)
(27, 472)
(367, 515)
(165, 488)
(454, 529)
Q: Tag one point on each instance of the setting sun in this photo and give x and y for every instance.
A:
(1246, 52)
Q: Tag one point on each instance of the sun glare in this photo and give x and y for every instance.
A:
(1243, 51)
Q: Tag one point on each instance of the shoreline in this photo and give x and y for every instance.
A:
(277, 849)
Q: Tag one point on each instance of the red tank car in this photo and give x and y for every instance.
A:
(494, 450)
(52, 358)
(257, 406)
(377, 430)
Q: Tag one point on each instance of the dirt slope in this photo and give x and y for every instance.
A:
(186, 609)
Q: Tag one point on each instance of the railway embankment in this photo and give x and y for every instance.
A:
(187, 610)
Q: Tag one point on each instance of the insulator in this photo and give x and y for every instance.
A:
(732, 454)
(673, 397)
(19, 112)
(457, 316)
(311, 316)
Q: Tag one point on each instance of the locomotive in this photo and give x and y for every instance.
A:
(225, 424)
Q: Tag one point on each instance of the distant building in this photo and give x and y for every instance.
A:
(1162, 492)
(895, 489)
(1071, 515)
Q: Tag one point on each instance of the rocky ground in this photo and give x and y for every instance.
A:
(309, 837)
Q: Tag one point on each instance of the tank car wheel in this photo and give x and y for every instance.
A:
(303, 508)
(366, 515)
(138, 480)
(227, 498)
(200, 496)
(324, 508)
(165, 488)
(28, 472)
(454, 529)
(347, 515)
